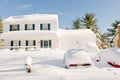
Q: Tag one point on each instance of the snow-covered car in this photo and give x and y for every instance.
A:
(108, 57)
(77, 58)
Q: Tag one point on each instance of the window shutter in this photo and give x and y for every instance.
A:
(10, 27)
(19, 43)
(18, 27)
(49, 43)
(41, 26)
(33, 25)
(11, 43)
(26, 42)
(48, 26)
(25, 26)
(34, 44)
(41, 43)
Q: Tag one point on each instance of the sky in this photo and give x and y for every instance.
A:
(106, 11)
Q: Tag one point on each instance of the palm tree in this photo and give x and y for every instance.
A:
(114, 25)
(90, 22)
(76, 23)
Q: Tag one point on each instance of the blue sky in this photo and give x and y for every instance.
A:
(106, 11)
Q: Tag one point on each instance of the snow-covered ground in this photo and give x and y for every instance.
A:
(48, 64)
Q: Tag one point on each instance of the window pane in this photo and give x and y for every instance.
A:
(45, 27)
(45, 44)
(29, 27)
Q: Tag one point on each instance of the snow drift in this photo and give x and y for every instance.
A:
(108, 57)
(77, 58)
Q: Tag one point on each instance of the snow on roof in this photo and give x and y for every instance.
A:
(16, 35)
(76, 33)
(32, 17)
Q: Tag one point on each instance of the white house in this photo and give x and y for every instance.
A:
(42, 31)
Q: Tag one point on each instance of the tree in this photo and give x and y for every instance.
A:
(90, 22)
(114, 25)
(76, 23)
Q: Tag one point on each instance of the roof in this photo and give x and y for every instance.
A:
(32, 17)
(77, 33)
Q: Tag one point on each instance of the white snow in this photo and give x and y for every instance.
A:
(32, 17)
(77, 56)
(48, 64)
(36, 34)
(110, 54)
(90, 47)
(83, 33)
(29, 60)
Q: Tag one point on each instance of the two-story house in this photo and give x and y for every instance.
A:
(42, 31)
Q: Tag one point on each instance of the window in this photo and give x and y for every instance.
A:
(15, 43)
(29, 26)
(14, 27)
(30, 43)
(45, 27)
(45, 43)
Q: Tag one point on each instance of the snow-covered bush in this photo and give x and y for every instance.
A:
(90, 47)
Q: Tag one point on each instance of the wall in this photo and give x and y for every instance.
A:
(53, 24)
(72, 42)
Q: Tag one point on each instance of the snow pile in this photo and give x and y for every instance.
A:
(76, 56)
(108, 55)
(29, 60)
(47, 64)
(90, 47)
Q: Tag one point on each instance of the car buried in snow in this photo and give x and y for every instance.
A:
(110, 56)
(77, 58)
